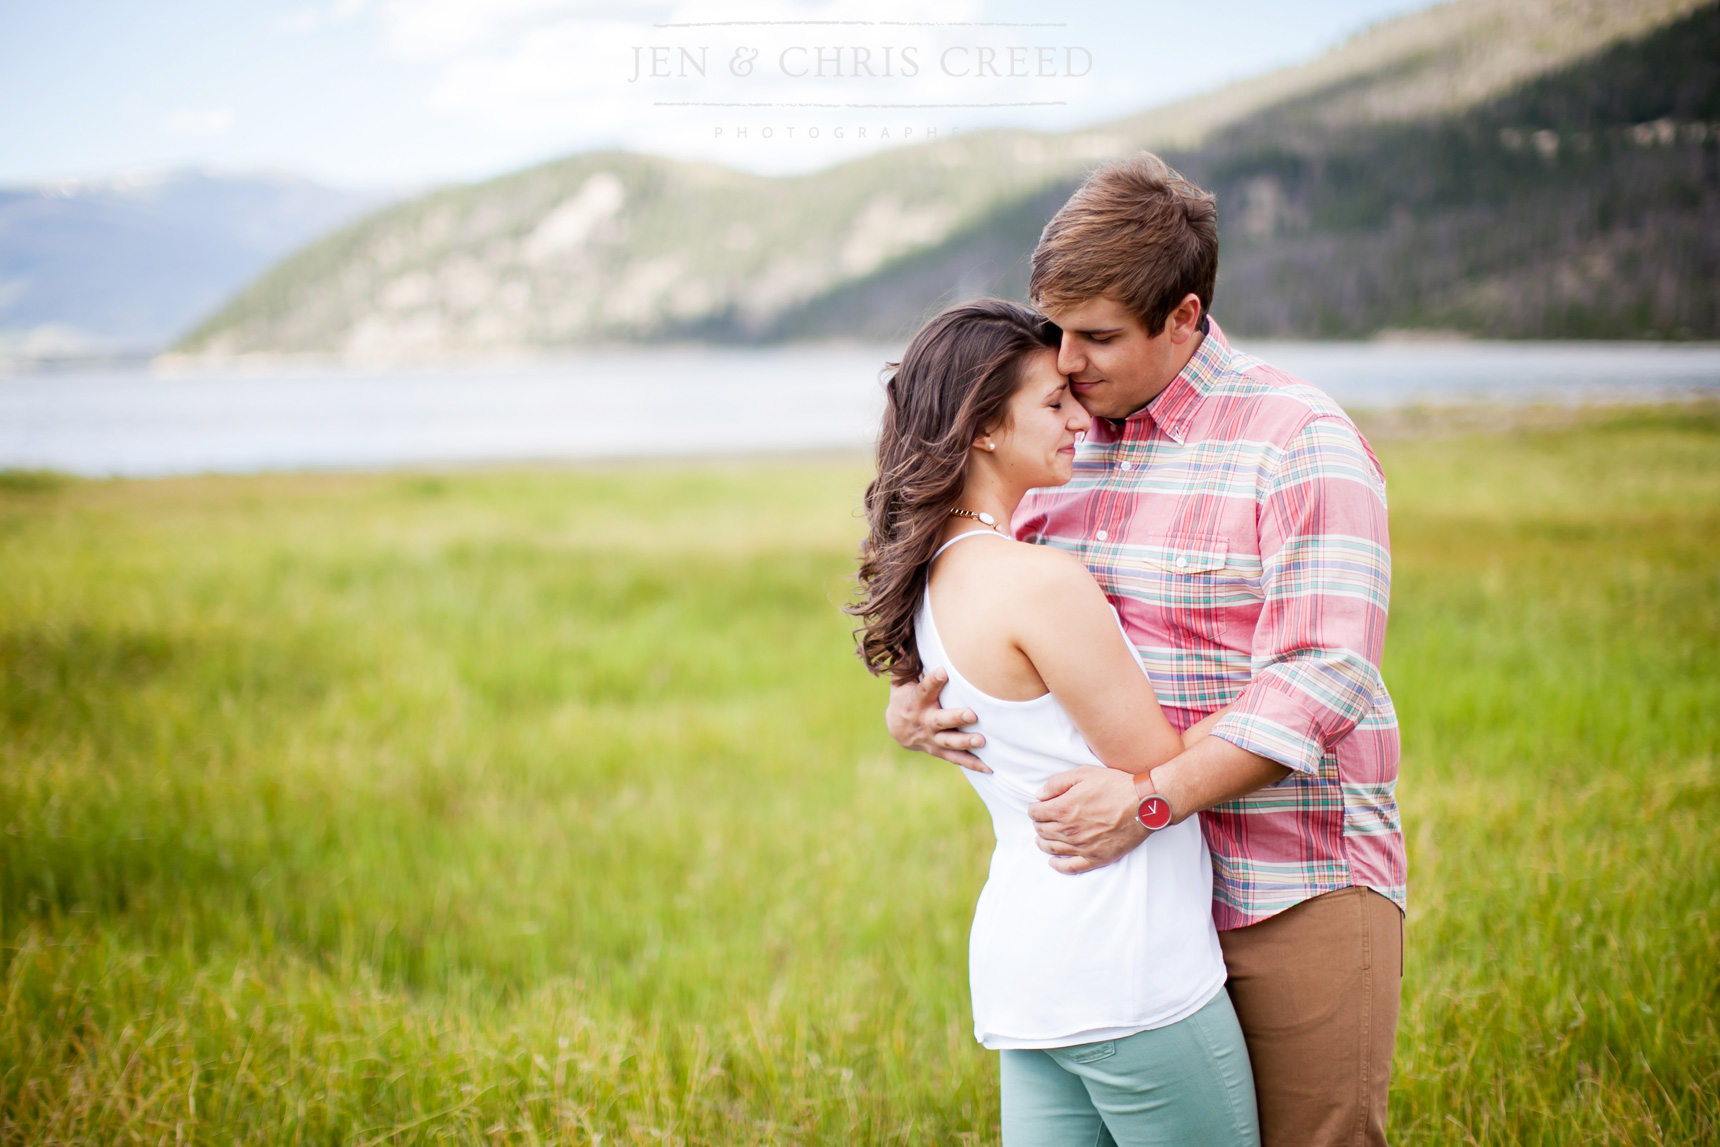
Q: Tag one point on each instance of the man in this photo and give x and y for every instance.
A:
(1237, 520)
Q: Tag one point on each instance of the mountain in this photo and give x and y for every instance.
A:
(614, 246)
(1583, 202)
(620, 247)
(124, 265)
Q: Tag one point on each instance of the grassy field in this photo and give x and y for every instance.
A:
(551, 806)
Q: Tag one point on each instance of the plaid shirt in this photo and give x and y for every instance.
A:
(1238, 524)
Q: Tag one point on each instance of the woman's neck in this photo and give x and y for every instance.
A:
(985, 498)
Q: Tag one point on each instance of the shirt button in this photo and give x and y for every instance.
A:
(1101, 535)
(1124, 465)
(1182, 562)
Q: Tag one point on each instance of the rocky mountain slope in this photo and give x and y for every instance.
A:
(619, 247)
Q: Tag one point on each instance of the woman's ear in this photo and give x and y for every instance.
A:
(984, 442)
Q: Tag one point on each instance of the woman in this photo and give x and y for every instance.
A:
(1104, 992)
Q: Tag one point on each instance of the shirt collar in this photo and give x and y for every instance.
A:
(1172, 409)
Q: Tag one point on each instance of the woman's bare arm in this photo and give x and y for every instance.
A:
(1065, 627)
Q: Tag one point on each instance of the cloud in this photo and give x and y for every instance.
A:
(310, 18)
(299, 21)
(212, 122)
(452, 30)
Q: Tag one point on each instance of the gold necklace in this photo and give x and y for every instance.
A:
(982, 518)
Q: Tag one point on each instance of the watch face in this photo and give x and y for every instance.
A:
(1155, 812)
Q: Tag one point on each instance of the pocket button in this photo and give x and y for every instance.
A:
(1101, 535)
(1182, 562)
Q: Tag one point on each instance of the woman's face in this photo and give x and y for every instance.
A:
(1036, 443)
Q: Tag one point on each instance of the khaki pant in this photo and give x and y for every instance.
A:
(1316, 990)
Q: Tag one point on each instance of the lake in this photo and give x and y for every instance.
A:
(679, 402)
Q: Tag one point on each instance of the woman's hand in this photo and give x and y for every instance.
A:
(919, 725)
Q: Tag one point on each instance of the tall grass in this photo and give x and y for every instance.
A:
(551, 806)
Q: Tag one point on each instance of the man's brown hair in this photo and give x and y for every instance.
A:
(1137, 231)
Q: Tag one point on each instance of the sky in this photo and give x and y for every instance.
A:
(398, 94)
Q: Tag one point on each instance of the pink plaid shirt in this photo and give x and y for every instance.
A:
(1238, 524)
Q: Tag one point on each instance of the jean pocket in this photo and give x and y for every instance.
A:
(1092, 1052)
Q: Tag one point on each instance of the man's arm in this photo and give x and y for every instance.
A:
(1326, 577)
(919, 725)
(1086, 817)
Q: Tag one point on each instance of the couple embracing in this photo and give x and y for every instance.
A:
(1135, 583)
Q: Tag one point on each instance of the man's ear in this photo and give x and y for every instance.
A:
(1184, 319)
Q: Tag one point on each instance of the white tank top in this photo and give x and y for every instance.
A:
(1056, 960)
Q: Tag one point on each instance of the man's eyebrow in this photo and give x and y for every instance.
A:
(1090, 332)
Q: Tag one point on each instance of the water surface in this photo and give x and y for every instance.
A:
(644, 403)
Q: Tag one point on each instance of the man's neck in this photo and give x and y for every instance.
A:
(1194, 345)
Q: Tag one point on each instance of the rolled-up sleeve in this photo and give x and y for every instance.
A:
(1326, 582)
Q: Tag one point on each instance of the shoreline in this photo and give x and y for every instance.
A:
(1410, 423)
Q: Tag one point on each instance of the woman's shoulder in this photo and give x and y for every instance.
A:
(1052, 565)
(1022, 568)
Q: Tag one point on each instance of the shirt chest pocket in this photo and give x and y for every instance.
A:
(1190, 580)
(1186, 556)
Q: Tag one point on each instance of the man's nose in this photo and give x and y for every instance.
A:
(1069, 359)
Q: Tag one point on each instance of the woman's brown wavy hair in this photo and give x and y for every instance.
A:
(953, 384)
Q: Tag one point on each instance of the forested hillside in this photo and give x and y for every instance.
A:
(1583, 204)
(1586, 204)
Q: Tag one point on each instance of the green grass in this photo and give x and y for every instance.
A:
(551, 806)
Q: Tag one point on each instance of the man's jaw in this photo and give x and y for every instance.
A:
(1092, 395)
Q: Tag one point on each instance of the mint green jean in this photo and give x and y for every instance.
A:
(1187, 1085)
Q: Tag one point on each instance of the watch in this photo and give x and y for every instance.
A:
(1154, 812)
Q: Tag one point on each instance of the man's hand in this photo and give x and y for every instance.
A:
(914, 719)
(1085, 818)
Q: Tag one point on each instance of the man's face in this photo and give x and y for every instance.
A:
(1114, 366)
